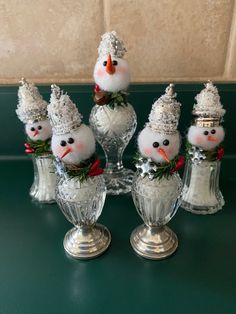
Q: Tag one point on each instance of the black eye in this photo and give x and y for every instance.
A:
(70, 140)
(63, 143)
(205, 132)
(32, 129)
(155, 144)
(114, 62)
(39, 127)
(213, 131)
(166, 142)
(105, 63)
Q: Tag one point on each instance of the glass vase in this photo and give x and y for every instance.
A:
(156, 202)
(201, 193)
(82, 204)
(113, 129)
(44, 185)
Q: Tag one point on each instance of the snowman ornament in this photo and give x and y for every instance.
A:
(32, 111)
(81, 189)
(113, 119)
(201, 194)
(72, 141)
(157, 186)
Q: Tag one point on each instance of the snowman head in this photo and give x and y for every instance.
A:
(112, 73)
(160, 139)
(39, 130)
(204, 137)
(72, 141)
(74, 147)
(206, 132)
(161, 148)
(32, 111)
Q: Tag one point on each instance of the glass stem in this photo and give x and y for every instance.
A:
(114, 159)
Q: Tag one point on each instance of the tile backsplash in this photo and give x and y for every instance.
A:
(167, 40)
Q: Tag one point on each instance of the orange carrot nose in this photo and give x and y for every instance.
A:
(110, 67)
(163, 154)
(66, 151)
(36, 132)
(212, 138)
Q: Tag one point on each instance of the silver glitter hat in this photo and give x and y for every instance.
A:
(31, 106)
(111, 44)
(63, 113)
(165, 113)
(208, 109)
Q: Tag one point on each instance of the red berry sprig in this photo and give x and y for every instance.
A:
(28, 149)
(179, 164)
(220, 153)
(95, 169)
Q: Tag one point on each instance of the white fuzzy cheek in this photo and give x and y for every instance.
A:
(44, 135)
(221, 135)
(47, 132)
(142, 141)
(56, 147)
(156, 157)
(195, 136)
(114, 82)
(29, 134)
(191, 138)
(173, 150)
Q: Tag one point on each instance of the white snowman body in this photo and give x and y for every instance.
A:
(39, 130)
(198, 193)
(158, 195)
(205, 138)
(118, 120)
(75, 146)
(156, 200)
(113, 122)
(158, 146)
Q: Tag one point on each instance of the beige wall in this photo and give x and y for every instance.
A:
(167, 40)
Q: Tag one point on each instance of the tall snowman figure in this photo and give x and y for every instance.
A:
(32, 111)
(157, 186)
(201, 194)
(113, 119)
(81, 189)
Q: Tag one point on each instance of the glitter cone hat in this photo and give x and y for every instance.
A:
(63, 113)
(111, 44)
(208, 104)
(31, 106)
(165, 113)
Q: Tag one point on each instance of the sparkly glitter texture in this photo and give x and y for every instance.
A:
(164, 116)
(111, 44)
(31, 106)
(208, 103)
(63, 113)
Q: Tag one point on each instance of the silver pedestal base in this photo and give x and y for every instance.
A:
(87, 242)
(119, 182)
(154, 243)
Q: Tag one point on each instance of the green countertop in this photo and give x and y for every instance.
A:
(37, 277)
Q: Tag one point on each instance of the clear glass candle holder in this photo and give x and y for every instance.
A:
(113, 129)
(201, 193)
(156, 202)
(82, 204)
(44, 185)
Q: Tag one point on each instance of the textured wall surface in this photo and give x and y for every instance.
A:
(167, 40)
